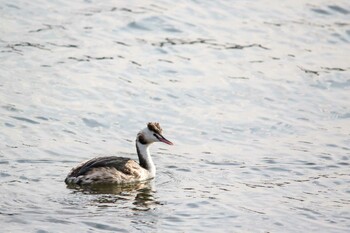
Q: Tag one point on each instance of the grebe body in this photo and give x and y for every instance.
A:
(120, 170)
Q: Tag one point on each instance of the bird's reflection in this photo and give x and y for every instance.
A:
(141, 194)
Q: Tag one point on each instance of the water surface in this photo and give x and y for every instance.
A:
(254, 94)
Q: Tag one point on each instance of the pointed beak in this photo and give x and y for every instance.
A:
(166, 141)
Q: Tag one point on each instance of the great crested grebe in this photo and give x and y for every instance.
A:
(119, 170)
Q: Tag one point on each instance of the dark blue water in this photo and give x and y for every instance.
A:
(255, 96)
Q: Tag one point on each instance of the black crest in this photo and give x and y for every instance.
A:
(155, 127)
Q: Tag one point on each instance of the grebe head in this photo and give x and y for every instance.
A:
(153, 133)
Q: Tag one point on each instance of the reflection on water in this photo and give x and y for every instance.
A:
(111, 188)
(140, 194)
(255, 96)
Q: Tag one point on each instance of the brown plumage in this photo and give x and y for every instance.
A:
(110, 169)
(155, 127)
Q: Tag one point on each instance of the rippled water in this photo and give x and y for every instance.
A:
(254, 94)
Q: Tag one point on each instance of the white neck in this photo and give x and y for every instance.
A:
(145, 158)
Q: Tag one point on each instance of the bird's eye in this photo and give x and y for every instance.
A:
(156, 136)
